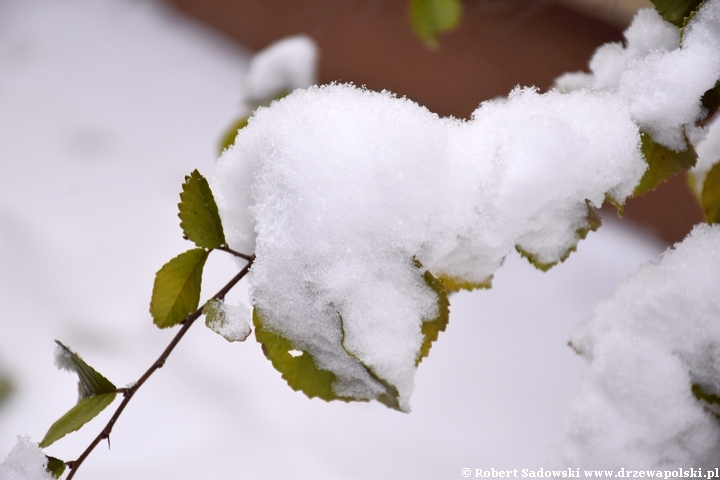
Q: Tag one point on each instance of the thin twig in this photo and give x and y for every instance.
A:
(229, 250)
(130, 391)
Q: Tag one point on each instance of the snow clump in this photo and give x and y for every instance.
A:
(232, 322)
(26, 461)
(659, 77)
(338, 190)
(282, 67)
(346, 195)
(646, 346)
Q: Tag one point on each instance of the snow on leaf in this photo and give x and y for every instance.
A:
(199, 218)
(431, 329)
(663, 163)
(299, 371)
(430, 17)
(85, 410)
(231, 323)
(593, 223)
(176, 291)
(676, 11)
(90, 382)
(710, 197)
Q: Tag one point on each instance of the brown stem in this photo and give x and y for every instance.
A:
(130, 391)
(229, 250)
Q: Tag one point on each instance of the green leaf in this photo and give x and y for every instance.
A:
(228, 138)
(663, 163)
(55, 466)
(592, 223)
(176, 291)
(199, 217)
(85, 410)
(299, 371)
(431, 17)
(675, 11)
(710, 197)
(90, 381)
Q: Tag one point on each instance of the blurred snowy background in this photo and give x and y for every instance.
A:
(104, 107)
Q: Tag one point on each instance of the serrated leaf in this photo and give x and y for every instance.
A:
(199, 217)
(431, 17)
(176, 291)
(663, 163)
(299, 371)
(592, 223)
(90, 382)
(619, 205)
(55, 466)
(452, 284)
(710, 197)
(675, 11)
(85, 410)
(431, 329)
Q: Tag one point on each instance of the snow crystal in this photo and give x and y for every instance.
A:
(647, 345)
(338, 190)
(231, 321)
(282, 67)
(660, 79)
(26, 461)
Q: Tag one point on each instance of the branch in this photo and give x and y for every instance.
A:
(129, 392)
(229, 250)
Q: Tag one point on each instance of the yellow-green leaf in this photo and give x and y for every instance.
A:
(710, 197)
(55, 466)
(298, 369)
(431, 17)
(663, 163)
(85, 410)
(431, 329)
(228, 137)
(592, 223)
(199, 217)
(176, 291)
(675, 11)
(90, 382)
(452, 284)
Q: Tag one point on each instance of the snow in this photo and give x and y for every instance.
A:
(26, 461)
(344, 187)
(280, 68)
(646, 345)
(232, 322)
(104, 107)
(660, 79)
(708, 152)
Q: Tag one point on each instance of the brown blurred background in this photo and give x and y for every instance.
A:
(499, 44)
